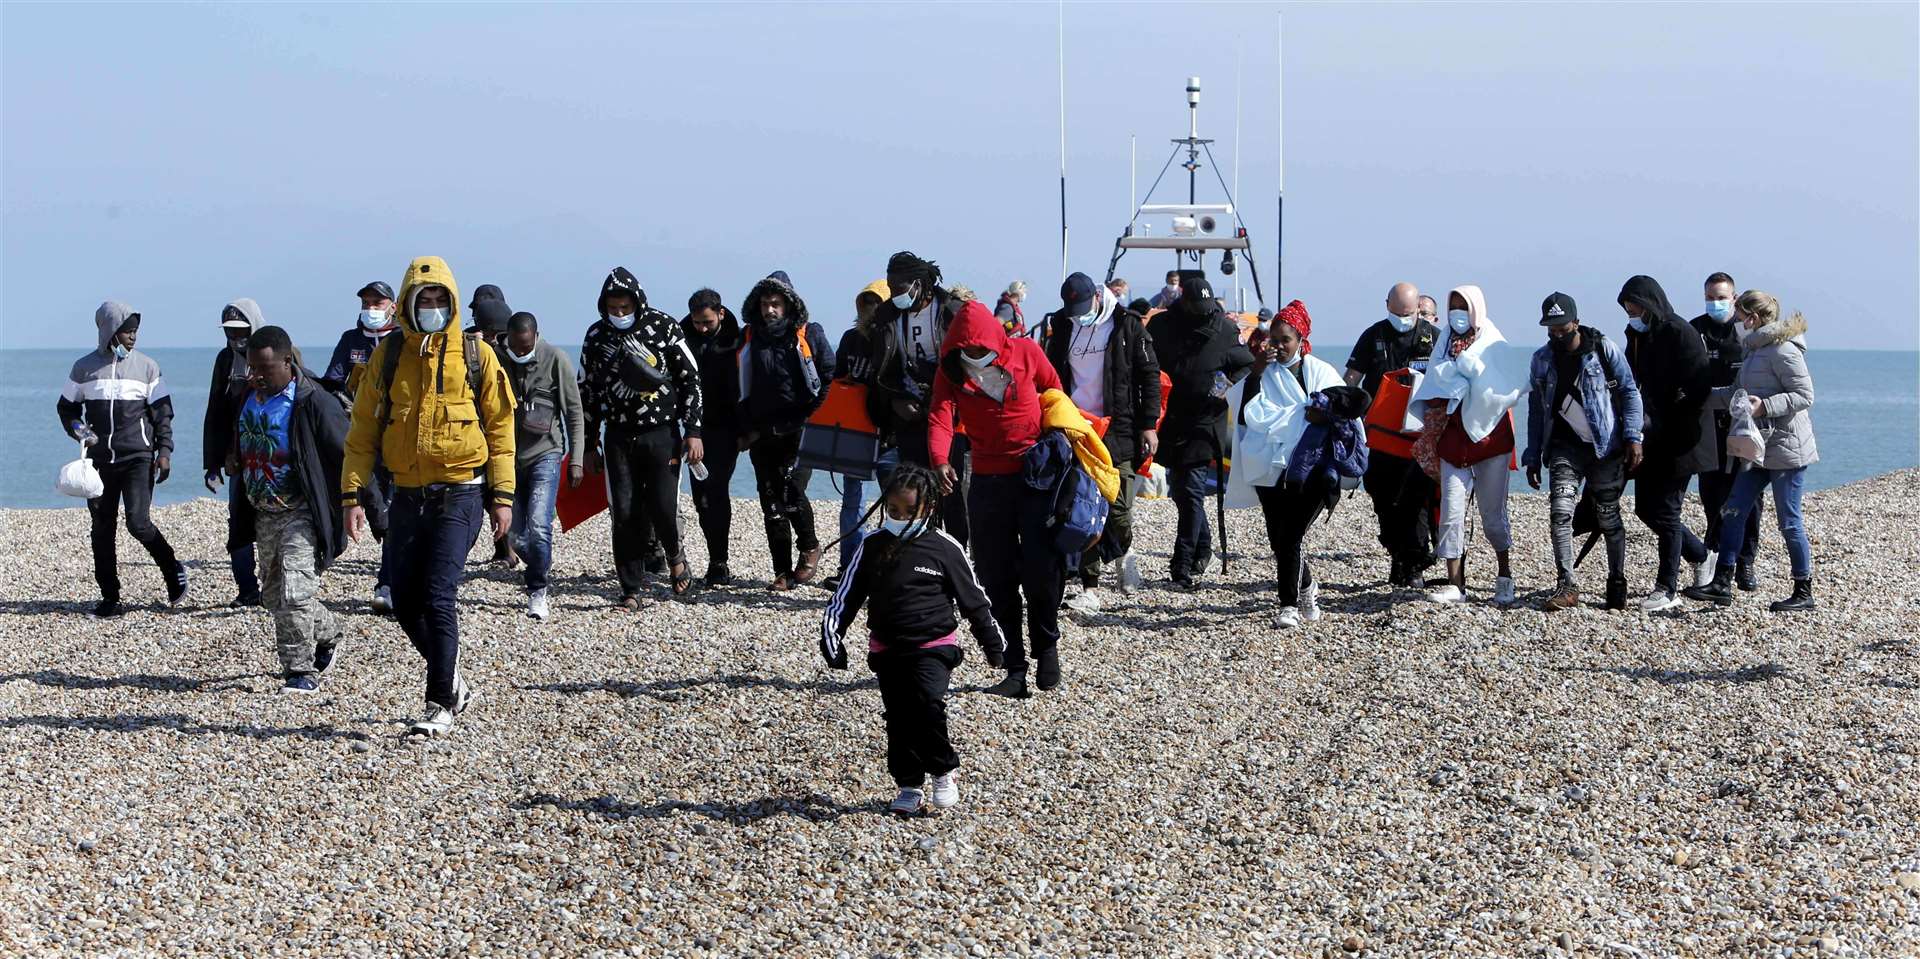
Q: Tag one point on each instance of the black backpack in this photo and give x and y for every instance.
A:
(390, 365)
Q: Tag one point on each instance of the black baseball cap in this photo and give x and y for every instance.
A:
(1557, 310)
(1077, 293)
(377, 288)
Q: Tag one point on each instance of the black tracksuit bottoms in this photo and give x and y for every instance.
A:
(128, 483)
(711, 500)
(643, 480)
(1013, 554)
(913, 693)
(1289, 511)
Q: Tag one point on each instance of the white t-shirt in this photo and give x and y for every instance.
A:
(1087, 356)
(922, 339)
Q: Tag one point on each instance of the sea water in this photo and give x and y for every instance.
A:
(1866, 418)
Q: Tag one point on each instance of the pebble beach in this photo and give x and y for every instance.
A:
(1397, 779)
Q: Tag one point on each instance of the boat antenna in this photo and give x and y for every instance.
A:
(1280, 153)
(1240, 59)
(1063, 141)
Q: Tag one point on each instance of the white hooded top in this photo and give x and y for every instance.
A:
(1485, 381)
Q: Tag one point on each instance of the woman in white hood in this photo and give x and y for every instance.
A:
(1475, 376)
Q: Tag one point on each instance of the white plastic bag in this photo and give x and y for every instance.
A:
(1744, 439)
(80, 478)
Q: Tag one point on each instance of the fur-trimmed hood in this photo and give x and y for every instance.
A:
(776, 282)
(1783, 330)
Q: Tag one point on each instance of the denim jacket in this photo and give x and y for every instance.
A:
(1603, 370)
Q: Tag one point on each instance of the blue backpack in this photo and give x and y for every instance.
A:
(1079, 515)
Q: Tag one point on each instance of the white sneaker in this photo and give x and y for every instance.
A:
(1310, 603)
(946, 791)
(1446, 594)
(1703, 571)
(537, 604)
(1659, 600)
(383, 600)
(1088, 601)
(438, 722)
(462, 694)
(908, 803)
(1130, 578)
(1287, 618)
(1503, 591)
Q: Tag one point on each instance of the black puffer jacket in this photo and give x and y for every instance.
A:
(1132, 379)
(1192, 346)
(1675, 376)
(779, 385)
(1726, 354)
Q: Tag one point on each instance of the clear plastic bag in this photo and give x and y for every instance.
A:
(1744, 439)
(79, 478)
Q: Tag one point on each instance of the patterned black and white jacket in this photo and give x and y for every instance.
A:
(617, 364)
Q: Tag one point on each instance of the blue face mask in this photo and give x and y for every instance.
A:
(622, 322)
(120, 352)
(432, 321)
(1720, 310)
(1459, 321)
(1637, 323)
(903, 528)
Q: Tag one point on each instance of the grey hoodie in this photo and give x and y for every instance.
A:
(227, 393)
(122, 399)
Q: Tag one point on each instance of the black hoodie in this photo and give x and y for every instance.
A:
(900, 387)
(653, 346)
(779, 387)
(1675, 376)
(717, 355)
(1192, 345)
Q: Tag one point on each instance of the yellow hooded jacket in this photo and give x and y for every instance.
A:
(437, 430)
(1057, 412)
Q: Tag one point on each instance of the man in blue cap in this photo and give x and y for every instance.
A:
(342, 378)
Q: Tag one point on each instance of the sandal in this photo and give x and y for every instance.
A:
(809, 565)
(630, 603)
(682, 573)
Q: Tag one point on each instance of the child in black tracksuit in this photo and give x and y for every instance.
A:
(910, 577)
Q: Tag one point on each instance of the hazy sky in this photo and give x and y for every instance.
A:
(179, 156)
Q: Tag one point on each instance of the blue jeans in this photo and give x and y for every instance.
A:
(536, 485)
(1787, 487)
(853, 501)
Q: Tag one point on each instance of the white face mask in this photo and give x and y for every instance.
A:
(432, 321)
(1401, 323)
(1295, 362)
(522, 358)
(903, 528)
(1638, 323)
(374, 319)
(906, 299)
(1459, 321)
(120, 352)
(981, 362)
(622, 322)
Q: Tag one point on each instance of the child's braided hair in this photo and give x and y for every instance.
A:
(915, 479)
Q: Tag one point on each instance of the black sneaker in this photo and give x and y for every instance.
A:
(1616, 593)
(831, 584)
(1047, 674)
(1012, 687)
(302, 684)
(323, 656)
(177, 586)
(108, 609)
(1182, 582)
(245, 600)
(718, 575)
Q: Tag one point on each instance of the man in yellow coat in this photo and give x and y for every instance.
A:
(436, 406)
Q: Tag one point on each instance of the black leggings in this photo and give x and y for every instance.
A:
(783, 497)
(642, 481)
(1289, 511)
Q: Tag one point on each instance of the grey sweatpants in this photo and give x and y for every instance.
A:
(1485, 481)
(290, 585)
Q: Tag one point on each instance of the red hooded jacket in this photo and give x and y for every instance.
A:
(1000, 432)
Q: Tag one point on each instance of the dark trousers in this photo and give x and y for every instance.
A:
(1012, 555)
(1715, 488)
(1657, 500)
(1402, 496)
(1289, 511)
(783, 498)
(240, 551)
(1192, 537)
(429, 531)
(376, 498)
(128, 483)
(913, 693)
(711, 500)
(643, 481)
(954, 516)
(1117, 541)
(1573, 472)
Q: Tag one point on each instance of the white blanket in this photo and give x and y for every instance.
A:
(1265, 433)
(1483, 383)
